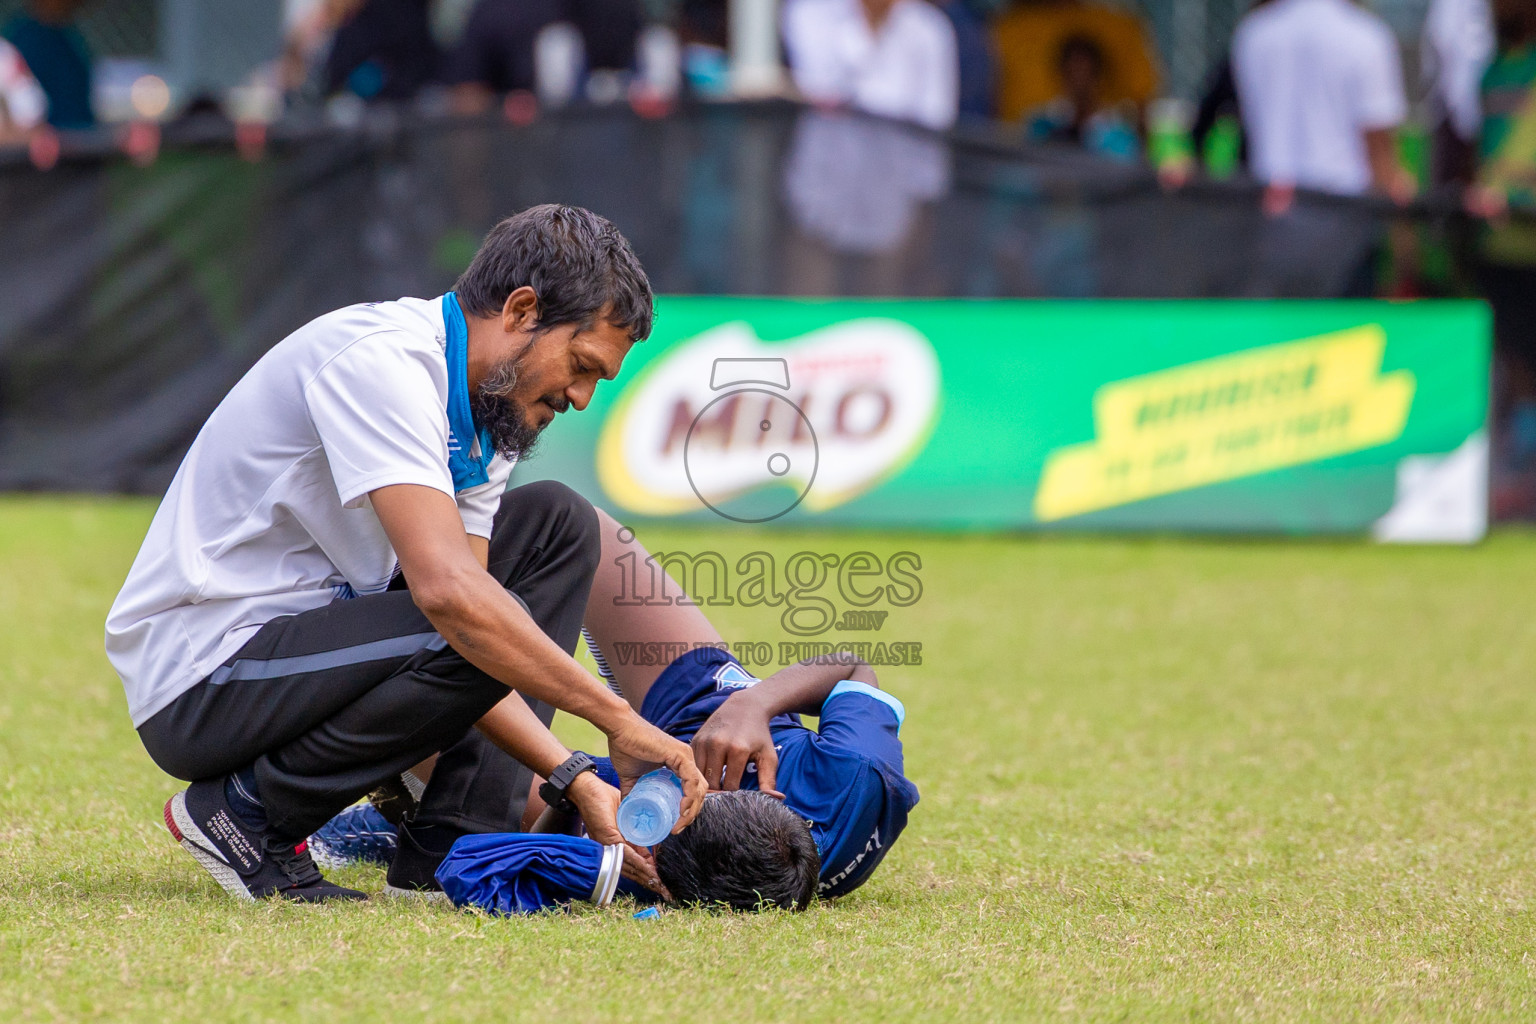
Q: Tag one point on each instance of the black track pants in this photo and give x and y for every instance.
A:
(329, 703)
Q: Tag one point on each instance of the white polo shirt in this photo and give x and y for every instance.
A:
(269, 514)
(908, 70)
(1313, 77)
(1457, 46)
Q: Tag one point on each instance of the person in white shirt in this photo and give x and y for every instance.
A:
(894, 58)
(335, 586)
(1456, 48)
(1321, 87)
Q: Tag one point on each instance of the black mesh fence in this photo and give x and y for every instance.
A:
(132, 297)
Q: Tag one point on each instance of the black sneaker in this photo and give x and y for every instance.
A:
(249, 864)
(413, 871)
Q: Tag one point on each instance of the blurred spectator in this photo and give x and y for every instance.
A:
(23, 106)
(860, 194)
(703, 28)
(973, 47)
(1507, 178)
(45, 36)
(1456, 48)
(609, 29)
(308, 26)
(374, 49)
(1029, 38)
(1321, 86)
(1079, 117)
(495, 55)
(894, 58)
(382, 49)
(1219, 101)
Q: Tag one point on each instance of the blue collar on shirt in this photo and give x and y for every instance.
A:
(468, 470)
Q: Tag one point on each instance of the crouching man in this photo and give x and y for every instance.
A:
(335, 586)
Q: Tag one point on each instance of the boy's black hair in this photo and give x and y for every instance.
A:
(745, 850)
(577, 262)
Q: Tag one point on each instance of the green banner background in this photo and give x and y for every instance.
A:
(1018, 381)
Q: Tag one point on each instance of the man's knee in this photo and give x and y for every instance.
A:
(172, 752)
(550, 497)
(569, 517)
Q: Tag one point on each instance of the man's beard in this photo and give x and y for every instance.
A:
(503, 416)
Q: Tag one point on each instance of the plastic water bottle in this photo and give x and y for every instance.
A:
(647, 814)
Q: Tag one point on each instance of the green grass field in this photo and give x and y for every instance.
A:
(1162, 780)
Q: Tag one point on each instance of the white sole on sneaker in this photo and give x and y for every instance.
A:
(192, 839)
(420, 895)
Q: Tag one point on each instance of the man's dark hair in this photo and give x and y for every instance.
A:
(745, 850)
(577, 262)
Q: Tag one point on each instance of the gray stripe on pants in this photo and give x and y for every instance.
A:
(374, 650)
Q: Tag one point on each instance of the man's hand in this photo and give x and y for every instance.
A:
(736, 734)
(637, 746)
(598, 803)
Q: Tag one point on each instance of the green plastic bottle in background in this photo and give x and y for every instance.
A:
(1168, 141)
(1223, 148)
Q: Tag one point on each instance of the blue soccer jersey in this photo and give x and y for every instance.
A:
(844, 778)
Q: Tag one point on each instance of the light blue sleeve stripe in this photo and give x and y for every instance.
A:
(853, 686)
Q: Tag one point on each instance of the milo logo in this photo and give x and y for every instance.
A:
(752, 430)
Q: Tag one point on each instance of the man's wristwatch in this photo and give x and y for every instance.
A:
(553, 791)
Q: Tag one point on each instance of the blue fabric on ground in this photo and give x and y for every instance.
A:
(520, 873)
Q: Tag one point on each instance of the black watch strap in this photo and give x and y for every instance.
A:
(553, 791)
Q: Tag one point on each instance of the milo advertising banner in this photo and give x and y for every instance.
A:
(1293, 417)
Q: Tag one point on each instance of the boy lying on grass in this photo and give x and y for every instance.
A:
(793, 812)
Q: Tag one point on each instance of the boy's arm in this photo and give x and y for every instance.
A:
(738, 734)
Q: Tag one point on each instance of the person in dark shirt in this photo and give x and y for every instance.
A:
(495, 54)
(55, 51)
(609, 29)
(973, 48)
(1220, 100)
(384, 51)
